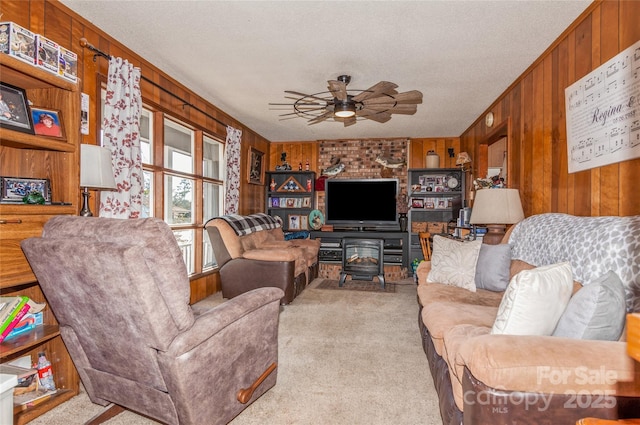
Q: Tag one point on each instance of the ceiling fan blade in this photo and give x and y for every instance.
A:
(312, 96)
(303, 112)
(321, 118)
(413, 97)
(346, 121)
(298, 104)
(404, 109)
(338, 89)
(349, 121)
(410, 97)
(370, 114)
(381, 88)
(394, 109)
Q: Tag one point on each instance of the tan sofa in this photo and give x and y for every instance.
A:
(251, 252)
(487, 378)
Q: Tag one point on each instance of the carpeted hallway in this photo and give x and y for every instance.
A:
(345, 357)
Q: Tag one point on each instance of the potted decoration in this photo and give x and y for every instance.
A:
(402, 206)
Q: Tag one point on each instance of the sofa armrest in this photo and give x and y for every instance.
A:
(423, 271)
(548, 364)
(283, 254)
(221, 316)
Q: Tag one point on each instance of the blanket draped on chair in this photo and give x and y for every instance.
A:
(246, 224)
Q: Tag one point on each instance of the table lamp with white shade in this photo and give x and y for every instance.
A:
(495, 208)
(96, 172)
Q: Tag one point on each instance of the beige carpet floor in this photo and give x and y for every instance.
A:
(345, 357)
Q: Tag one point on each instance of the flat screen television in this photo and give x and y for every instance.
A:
(361, 203)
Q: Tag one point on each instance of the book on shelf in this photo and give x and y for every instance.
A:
(29, 321)
(13, 310)
(11, 306)
(16, 319)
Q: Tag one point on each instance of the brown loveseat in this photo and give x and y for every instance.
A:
(484, 377)
(252, 252)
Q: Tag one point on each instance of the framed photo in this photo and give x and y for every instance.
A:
(417, 203)
(275, 202)
(429, 203)
(46, 122)
(304, 222)
(294, 222)
(442, 203)
(15, 189)
(306, 202)
(256, 166)
(14, 109)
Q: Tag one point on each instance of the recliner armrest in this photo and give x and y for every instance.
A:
(219, 317)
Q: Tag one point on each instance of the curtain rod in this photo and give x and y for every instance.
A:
(85, 44)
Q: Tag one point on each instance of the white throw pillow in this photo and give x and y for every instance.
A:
(534, 301)
(454, 262)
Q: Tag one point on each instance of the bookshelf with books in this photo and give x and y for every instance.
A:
(54, 160)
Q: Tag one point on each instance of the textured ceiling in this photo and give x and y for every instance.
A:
(243, 55)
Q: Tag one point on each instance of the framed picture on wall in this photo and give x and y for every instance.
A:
(14, 109)
(256, 166)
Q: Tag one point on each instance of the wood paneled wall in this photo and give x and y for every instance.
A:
(55, 21)
(534, 109)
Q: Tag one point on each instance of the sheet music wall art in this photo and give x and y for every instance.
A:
(603, 113)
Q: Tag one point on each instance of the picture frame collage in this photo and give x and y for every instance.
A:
(287, 202)
(437, 183)
(434, 203)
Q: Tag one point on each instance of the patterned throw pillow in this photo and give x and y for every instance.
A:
(454, 262)
(534, 301)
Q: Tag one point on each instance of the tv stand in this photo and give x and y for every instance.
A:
(395, 245)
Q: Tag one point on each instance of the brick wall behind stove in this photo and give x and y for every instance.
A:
(359, 157)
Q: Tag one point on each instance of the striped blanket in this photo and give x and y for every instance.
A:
(246, 224)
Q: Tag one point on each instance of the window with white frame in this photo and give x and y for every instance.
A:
(179, 178)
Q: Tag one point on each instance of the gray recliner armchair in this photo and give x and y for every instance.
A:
(120, 292)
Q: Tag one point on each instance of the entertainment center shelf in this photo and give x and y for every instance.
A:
(395, 252)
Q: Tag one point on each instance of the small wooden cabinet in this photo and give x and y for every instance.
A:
(436, 196)
(56, 159)
(291, 196)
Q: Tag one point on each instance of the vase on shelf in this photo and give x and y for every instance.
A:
(403, 220)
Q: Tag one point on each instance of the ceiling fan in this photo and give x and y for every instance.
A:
(345, 105)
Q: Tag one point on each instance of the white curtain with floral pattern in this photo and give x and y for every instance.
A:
(121, 125)
(232, 153)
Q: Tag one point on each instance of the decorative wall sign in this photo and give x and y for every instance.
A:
(603, 113)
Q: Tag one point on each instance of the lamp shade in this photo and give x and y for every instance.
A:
(96, 169)
(496, 206)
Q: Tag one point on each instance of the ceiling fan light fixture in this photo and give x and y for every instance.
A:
(344, 109)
